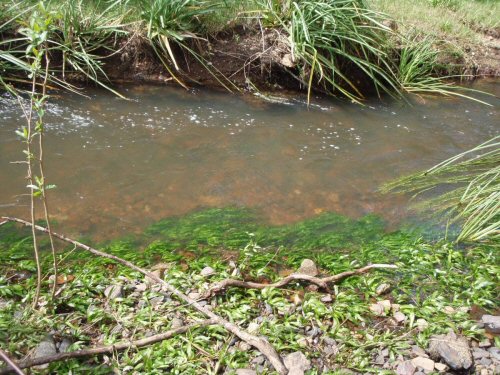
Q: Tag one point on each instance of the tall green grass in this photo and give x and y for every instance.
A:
(472, 190)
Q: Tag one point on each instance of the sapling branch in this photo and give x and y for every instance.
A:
(259, 343)
(124, 345)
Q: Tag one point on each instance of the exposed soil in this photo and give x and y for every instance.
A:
(246, 58)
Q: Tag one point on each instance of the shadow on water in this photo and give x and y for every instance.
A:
(122, 165)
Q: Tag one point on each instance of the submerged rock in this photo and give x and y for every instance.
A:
(308, 267)
(452, 349)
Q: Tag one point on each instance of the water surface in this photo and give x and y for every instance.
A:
(121, 165)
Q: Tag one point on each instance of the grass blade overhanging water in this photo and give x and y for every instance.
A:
(472, 197)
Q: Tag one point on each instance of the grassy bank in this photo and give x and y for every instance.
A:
(437, 287)
(345, 48)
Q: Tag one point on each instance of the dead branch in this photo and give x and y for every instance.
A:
(320, 282)
(259, 343)
(110, 348)
(12, 366)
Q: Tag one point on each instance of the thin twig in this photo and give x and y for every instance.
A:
(111, 348)
(13, 366)
(259, 343)
(320, 282)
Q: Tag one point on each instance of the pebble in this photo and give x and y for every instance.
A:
(296, 363)
(399, 317)
(421, 324)
(441, 367)
(259, 360)
(425, 363)
(245, 371)
(253, 328)
(243, 346)
(478, 353)
(194, 295)
(176, 323)
(405, 368)
(485, 362)
(452, 349)
(494, 353)
(113, 292)
(418, 351)
(207, 271)
(326, 299)
(142, 287)
(383, 289)
(308, 267)
(485, 343)
(491, 323)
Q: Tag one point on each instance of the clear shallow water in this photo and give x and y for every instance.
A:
(121, 165)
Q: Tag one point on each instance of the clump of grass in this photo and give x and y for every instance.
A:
(473, 194)
(330, 39)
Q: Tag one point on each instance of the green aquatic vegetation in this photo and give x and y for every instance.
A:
(438, 282)
(471, 196)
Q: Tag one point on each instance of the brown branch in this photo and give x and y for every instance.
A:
(259, 343)
(320, 282)
(110, 348)
(10, 363)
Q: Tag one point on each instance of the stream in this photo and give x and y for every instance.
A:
(120, 165)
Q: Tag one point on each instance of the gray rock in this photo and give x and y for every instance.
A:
(453, 350)
(142, 287)
(478, 353)
(417, 351)
(379, 360)
(491, 323)
(176, 323)
(64, 345)
(113, 292)
(441, 367)
(245, 371)
(46, 347)
(207, 271)
(259, 360)
(297, 363)
(484, 362)
(308, 267)
(485, 343)
(425, 363)
(494, 353)
(382, 289)
(243, 346)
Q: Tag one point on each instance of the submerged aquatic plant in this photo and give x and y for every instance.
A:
(472, 198)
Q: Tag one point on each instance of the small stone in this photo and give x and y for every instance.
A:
(405, 368)
(379, 360)
(113, 292)
(46, 347)
(425, 363)
(64, 345)
(399, 317)
(308, 267)
(478, 353)
(303, 342)
(491, 323)
(395, 307)
(441, 367)
(207, 271)
(330, 350)
(327, 299)
(448, 310)
(287, 60)
(497, 370)
(421, 324)
(484, 362)
(385, 352)
(245, 371)
(382, 289)
(377, 309)
(297, 363)
(142, 287)
(259, 360)
(194, 295)
(253, 328)
(417, 351)
(176, 323)
(243, 346)
(156, 301)
(452, 349)
(485, 343)
(386, 304)
(494, 353)
(157, 273)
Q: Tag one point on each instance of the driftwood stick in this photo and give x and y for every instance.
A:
(11, 365)
(110, 348)
(259, 343)
(320, 282)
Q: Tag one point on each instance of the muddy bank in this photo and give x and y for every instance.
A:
(247, 58)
